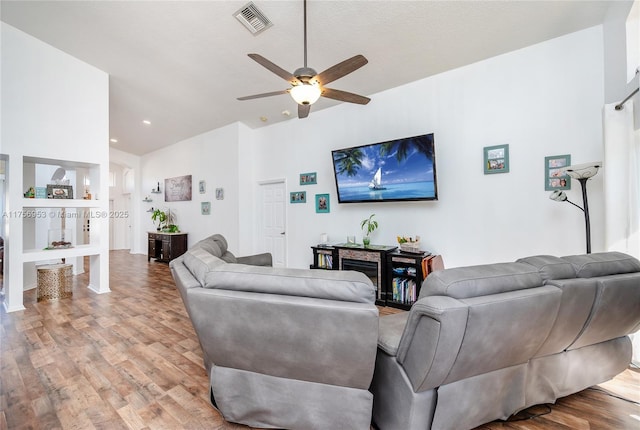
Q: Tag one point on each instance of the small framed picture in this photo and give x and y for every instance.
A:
(219, 193)
(496, 159)
(205, 208)
(322, 203)
(202, 187)
(555, 177)
(298, 197)
(59, 191)
(308, 178)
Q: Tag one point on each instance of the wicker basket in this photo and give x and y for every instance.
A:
(413, 247)
(54, 282)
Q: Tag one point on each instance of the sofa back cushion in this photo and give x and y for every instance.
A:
(615, 311)
(216, 245)
(603, 264)
(550, 267)
(349, 286)
(473, 281)
(199, 262)
(449, 339)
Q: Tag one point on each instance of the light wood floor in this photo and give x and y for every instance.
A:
(130, 359)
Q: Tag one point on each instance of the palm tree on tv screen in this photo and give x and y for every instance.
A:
(349, 161)
(424, 145)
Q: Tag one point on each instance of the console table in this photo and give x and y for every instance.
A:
(166, 246)
(396, 275)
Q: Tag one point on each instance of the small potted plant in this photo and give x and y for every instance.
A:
(160, 217)
(368, 225)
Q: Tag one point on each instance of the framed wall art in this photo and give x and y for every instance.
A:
(308, 178)
(219, 193)
(298, 197)
(177, 189)
(322, 203)
(205, 208)
(555, 178)
(59, 191)
(202, 187)
(496, 159)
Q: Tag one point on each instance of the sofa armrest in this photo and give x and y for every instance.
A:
(431, 339)
(263, 259)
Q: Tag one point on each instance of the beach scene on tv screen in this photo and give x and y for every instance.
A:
(401, 169)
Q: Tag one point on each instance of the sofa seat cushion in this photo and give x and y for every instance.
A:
(550, 267)
(390, 329)
(349, 286)
(199, 262)
(603, 264)
(473, 281)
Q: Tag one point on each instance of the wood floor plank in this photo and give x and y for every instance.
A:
(131, 360)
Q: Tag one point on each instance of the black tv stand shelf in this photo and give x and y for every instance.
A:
(396, 275)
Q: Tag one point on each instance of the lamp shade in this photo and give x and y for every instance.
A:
(305, 94)
(581, 171)
(558, 196)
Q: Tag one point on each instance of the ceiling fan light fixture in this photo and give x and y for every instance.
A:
(305, 93)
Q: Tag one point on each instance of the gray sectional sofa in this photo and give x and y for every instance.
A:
(296, 349)
(284, 348)
(484, 342)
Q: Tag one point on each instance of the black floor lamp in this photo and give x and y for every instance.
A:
(582, 173)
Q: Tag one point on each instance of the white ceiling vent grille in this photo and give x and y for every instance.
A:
(252, 18)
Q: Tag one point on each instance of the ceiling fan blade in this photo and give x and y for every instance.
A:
(259, 96)
(287, 76)
(344, 96)
(303, 111)
(341, 69)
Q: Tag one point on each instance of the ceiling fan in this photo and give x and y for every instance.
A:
(307, 85)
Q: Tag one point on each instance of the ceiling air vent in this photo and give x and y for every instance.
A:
(252, 18)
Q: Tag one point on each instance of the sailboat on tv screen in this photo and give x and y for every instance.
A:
(376, 181)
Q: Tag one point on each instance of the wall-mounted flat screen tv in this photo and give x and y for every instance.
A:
(397, 170)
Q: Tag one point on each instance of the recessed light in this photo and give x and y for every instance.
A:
(113, 140)
(263, 118)
(146, 122)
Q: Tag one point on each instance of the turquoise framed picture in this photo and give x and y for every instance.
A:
(555, 177)
(298, 197)
(496, 159)
(308, 178)
(322, 203)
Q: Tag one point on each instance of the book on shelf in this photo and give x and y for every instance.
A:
(403, 290)
(325, 261)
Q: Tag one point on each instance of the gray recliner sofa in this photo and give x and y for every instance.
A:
(484, 342)
(283, 348)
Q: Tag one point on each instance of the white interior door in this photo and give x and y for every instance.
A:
(274, 235)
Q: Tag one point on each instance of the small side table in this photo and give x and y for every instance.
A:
(54, 281)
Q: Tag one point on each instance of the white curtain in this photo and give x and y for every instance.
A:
(622, 187)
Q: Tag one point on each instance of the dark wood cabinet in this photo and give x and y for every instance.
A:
(166, 246)
(405, 278)
(325, 257)
(396, 275)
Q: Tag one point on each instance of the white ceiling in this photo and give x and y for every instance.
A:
(182, 64)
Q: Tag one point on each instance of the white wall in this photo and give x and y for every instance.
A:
(542, 100)
(617, 84)
(213, 157)
(130, 161)
(55, 107)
